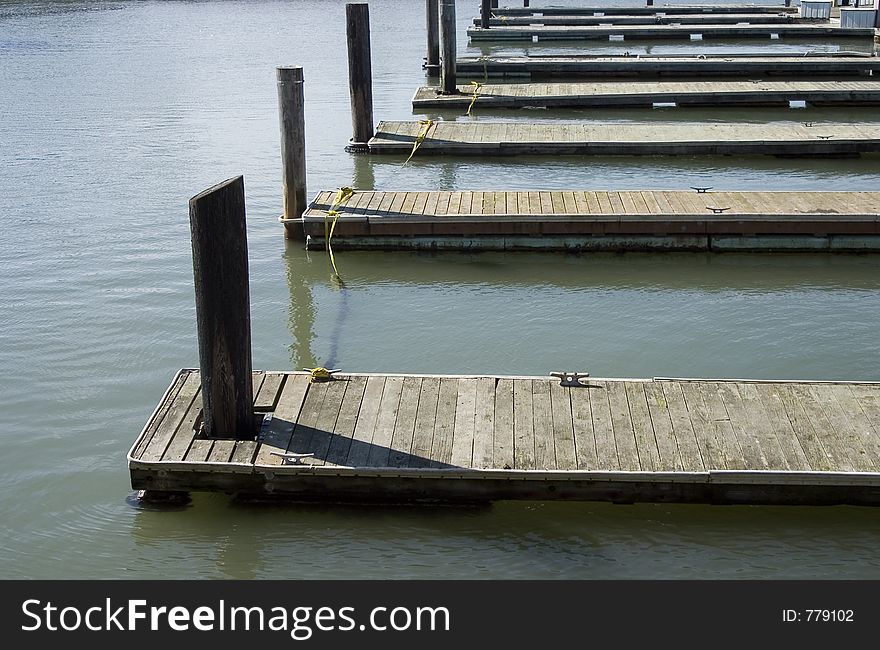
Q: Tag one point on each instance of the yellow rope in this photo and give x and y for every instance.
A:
(477, 85)
(320, 374)
(343, 195)
(420, 138)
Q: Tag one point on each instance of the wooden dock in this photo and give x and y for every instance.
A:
(706, 66)
(716, 9)
(580, 220)
(653, 19)
(647, 94)
(431, 438)
(475, 138)
(541, 33)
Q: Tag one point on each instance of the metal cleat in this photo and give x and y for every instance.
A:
(716, 210)
(291, 459)
(701, 190)
(570, 378)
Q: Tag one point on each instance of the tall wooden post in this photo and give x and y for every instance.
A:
(291, 115)
(485, 14)
(223, 312)
(650, 3)
(494, 4)
(360, 74)
(525, 3)
(447, 47)
(432, 25)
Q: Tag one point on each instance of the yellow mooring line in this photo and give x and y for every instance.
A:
(343, 195)
(477, 86)
(420, 138)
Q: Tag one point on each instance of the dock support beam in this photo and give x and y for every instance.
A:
(291, 114)
(360, 75)
(432, 20)
(223, 311)
(485, 14)
(447, 47)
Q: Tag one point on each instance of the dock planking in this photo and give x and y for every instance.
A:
(651, 19)
(647, 10)
(453, 438)
(645, 94)
(672, 31)
(601, 220)
(749, 66)
(612, 139)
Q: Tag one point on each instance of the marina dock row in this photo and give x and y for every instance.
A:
(645, 10)
(555, 32)
(672, 17)
(592, 220)
(749, 66)
(443, 438)
(615, 139)
(651, 93)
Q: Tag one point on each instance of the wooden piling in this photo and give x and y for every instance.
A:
(485, 13)
(447, 47)
(432, 18)
(360, 74)
(291, 113)
(220, 269)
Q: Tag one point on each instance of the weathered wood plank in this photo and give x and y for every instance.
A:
(404, 427)
(423, 431)
(582, 424)
(504, 439)
(603, 428)
(380, 445)
(340, 444)
(154, 448)
(643, 427)
(545, 446)
(484, 423)
(622, 422)
(322, 435)
(463, 430)
(276, 439)
(444, 425)
(523, 426)
(664, 431)
(563, 426)
(366, 422)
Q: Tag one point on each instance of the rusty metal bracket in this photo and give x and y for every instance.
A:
(570, 378)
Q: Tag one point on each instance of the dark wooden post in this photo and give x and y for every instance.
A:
(494, 4)
(525, 3)
(432, 24)
(650, 3)
(447, 47)
(223, 312)
(485, 13)
(360, 74)
(291, 114)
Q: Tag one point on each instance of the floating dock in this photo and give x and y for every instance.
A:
(641, 65)
(475, 138)
(654, 19)
(648, 94)
(541, 33)
(590, 220)
(645, 10)
(441, 438)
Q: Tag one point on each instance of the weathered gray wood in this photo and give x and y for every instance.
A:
(545, 445)
(269, 391)
(664, 431)
(582, 424)
(643, 427)
(505, 433)
(622, 424)
(366, 422)
(444, 425)
(523, 426)
(223, 311)
(671, 138)
(423, 433)
(276, 438)
(780, 424)
(464, 428)
(165, 409)
(447, 47)
(696, 8)
(744, 427)
(221, 452)
(432, 29)
(853, 431)
(360, 73)
(404, 426)
(340, 444)
(308, 419)
(291, 116)
(603, 428)
(319, 443)
(563, 426)
(484, 423)
(185, 432)
(380, 446)
(700, 418)
(199, 450)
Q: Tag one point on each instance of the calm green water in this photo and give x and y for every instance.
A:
(112, 114)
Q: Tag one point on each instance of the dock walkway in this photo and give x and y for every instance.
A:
(541, 33)
(613, 139)
(408, 437)
(655, 19)
(649, 93)
(705, 66)
(593, 220)
(644, 10)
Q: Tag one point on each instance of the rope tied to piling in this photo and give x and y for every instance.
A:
(426, 125)
(477, 86)
(343, 195)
